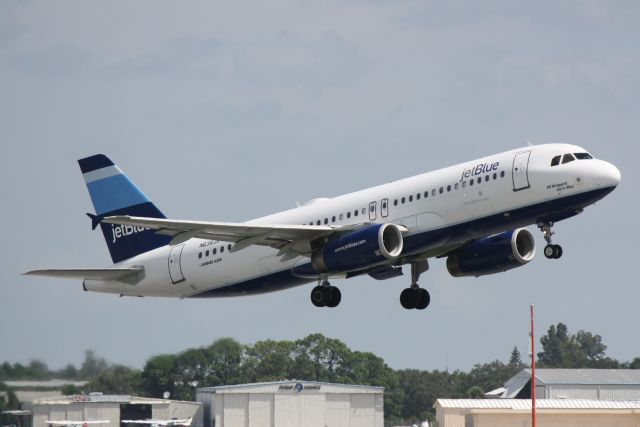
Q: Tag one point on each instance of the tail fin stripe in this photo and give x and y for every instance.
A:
(113, 193)
(101, 173)
(92, 163)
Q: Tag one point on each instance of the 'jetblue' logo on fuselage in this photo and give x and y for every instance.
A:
(118, 231)
(479, 169)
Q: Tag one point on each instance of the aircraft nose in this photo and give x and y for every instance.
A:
(609, 175)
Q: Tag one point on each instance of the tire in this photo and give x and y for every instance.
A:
(408, 298)
(423, 298)
(335, 296)
(557, 252)
(318, 297)
(550, 251)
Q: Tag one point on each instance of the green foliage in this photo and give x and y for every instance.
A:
(582, 350)
(8, 401)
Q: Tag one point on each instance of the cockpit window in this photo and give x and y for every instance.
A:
(555, 161)
(567, 158)
(583, 156)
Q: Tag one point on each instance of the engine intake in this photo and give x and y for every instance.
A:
(359, 249)
(493, 254)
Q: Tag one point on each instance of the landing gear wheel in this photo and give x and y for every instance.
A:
(335, 296)
(423, 298)
(319, 296)
(408, 298)
(553, 251)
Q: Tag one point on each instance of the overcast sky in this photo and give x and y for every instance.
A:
(226, 111)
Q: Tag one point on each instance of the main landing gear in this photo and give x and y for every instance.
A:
(551, 251)
(415, 296)
(325, 295)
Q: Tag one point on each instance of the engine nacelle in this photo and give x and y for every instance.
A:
(493, 254)
(359, 249)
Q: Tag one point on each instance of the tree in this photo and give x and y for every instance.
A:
(116, 379)
(583, 350)
(93, 365)
(515, 359)
(8, 401)
(159, 375)
(268, 361)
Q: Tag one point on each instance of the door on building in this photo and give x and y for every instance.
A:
(175, 267)
(520, 171)
(372, 211)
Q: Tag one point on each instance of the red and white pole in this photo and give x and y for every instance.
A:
(533, 374)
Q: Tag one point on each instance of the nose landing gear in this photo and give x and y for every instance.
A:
(325, 295)
(415, 296)
(551, 251)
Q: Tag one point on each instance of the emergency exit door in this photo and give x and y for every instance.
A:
(175, 267)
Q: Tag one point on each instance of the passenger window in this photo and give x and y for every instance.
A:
(402, 200)
(372, 208)
(583, 156)
(418, 196)
(395, 202)
(318, 222)
(567, 158)
(486, 178)
(355, 213)
(433, 192)
(479, 180)
(199, 254)
(426, 194)
(464, 184)
(341, 217)
(448, 188)
(364, 211)
(495, 176)
(214, 251)
(333, 218)
(455, 186)
(441, 190)
(349, 214)
(326, 220)
(502, 174)
(229, 246)
(555, 161)
(221, 249)
(206, 253)
(471, 182)
(411, 198)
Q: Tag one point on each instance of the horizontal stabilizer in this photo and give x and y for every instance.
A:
(106, 274)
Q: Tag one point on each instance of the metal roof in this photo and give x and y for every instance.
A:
(587, 376)
(525, 404)
(54, 383)
(224, 388)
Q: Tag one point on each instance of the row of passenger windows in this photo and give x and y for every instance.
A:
(566, 158)
(213, 251)
(340, 217)
(410, 198)
(455, 186)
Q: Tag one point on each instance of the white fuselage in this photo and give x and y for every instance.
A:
(440, 209)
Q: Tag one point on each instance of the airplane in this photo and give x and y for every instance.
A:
(472, 214)
(76, 423)
(160, 423)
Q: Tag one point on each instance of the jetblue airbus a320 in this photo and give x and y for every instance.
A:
(471, 213)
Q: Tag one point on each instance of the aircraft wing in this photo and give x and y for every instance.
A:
(184, 422)
(291, 240)
(121, 274)
(76, 423)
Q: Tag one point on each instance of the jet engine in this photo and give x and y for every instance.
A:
(359, 249)
(493, 254)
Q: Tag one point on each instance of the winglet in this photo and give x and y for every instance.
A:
(95, 220)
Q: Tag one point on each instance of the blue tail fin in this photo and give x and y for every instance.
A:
(112, 193)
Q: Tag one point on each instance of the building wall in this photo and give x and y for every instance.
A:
(556, 420)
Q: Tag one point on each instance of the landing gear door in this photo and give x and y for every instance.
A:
(372, 211)
(520, 171)
(384, 208)
(175, 267)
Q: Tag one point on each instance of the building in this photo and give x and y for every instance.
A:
(114, 408)
(592, 384)
(291, 404)
(27, 390)
(550, 413)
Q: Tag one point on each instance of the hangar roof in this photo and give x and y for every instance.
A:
(293, 386)
(525, 404)
(103, 398)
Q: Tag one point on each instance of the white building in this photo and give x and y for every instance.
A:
(592, 384)
(114, 408)
(550, 413)
(291, 404)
